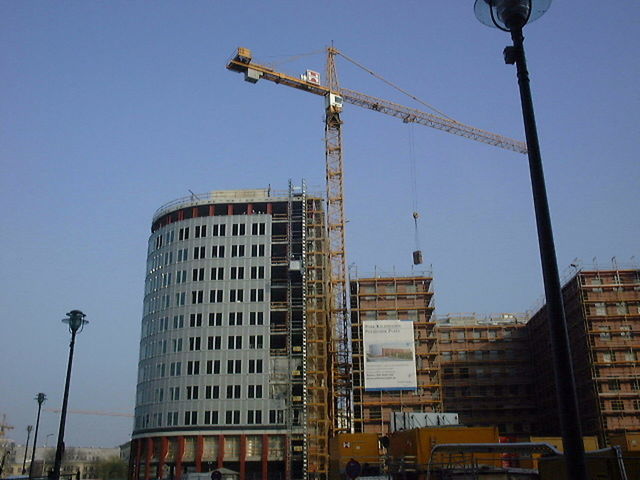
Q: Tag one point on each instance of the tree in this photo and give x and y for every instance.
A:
(113, 468)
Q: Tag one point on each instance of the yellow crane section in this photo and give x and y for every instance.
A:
(242, 62)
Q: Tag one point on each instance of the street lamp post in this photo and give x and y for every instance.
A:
(512, 16)
(26, 449)
(75, 320)
(40, 398)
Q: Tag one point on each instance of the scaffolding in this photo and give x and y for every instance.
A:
(394, 298)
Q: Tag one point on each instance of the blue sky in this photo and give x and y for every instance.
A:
(111, 109)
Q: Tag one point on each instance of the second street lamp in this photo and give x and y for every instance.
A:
(511, 16)
(40, 398)
(26, 449)
(75, 320)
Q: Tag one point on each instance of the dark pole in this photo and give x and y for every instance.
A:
(563, 367)
(55, 475)
(40, 398)
(26, 449)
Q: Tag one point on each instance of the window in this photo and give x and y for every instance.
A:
(197, 296)
(617, 405)
(192, 392)
(181, 276)
(191, 417)
(609, 357)
(214, 343)
(183, 234)
(233, 391)
(175, 369)
(183, 255)
(213, 367)
(218, 230)
(195, 320)
(194, 343)
(201, 231)
(621, 308)
(254, 391)
(604, 332)
(614, 385)
(254, 416)
(237, 273)
(236, 295)
(238, 229)
(178, 321)
(601, 309)
(635, 384)
(198, 252)
(215, 319)
(172, 418)
(235, 318)
(256, 318)
(174, 393)
(197, 275)
(217, 251)
(256, 341)
(255, 366)
(630, 356)
(211, 417)
(181, 298)
(257, 250)
(257, 272)
(276, 416)
(258, 229)
(234, 366)
(257, 295)
(215, 296)
(193, 367)
(217, 273)
(237, 250)
(625, 331)
(232, 417)
(211, 392)
(177, 345)
(234, 342)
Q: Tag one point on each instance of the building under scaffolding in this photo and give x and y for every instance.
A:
(486, 371)
(234, 351)
(406, 300)
(603, 316)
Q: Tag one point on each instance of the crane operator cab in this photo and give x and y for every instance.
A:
(333, 102)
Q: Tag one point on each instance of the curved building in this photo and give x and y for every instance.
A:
(233, 350)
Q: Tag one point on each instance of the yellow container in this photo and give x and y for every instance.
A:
(629, 442)
(415, 445)
(362, 447)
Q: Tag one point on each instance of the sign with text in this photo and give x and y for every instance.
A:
(389, 355)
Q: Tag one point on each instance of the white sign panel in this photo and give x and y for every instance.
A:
(389, 355)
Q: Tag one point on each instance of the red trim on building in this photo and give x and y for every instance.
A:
(269, 208)
(287, 456)
(230, 209)
(265, 456)
(249, 208)
(179, 455)
(243, 456)
(199, 451)
(147, 458)
(212, 210)
(136, 467)
(220, 451)
(164, 448)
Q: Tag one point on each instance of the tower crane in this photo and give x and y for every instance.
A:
(335, 96)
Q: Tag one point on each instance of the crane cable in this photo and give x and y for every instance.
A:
(401, 90)
(414, 187)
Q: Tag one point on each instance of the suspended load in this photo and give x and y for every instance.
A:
(417, 254)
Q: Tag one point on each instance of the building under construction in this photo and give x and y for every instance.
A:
(381, 301)
(603, 316)
(486, 371)
(234, 347)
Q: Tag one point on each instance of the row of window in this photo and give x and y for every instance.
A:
(200, 231)
(215, 319)
(210, 367)
(234, 342)
(197, 297)
(210, 417)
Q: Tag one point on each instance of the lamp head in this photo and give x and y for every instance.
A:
(509, 14)
(75, 320)
(40, 398)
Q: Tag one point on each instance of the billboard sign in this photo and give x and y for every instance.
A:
(389, 355)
